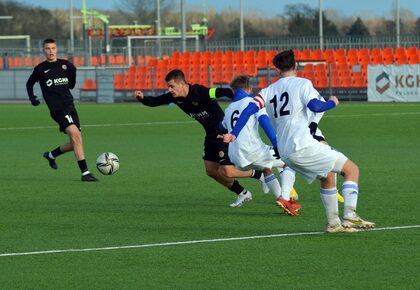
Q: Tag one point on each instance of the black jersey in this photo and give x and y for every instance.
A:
(56, 79)
(200, 104)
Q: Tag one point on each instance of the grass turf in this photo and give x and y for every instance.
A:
(161, 194)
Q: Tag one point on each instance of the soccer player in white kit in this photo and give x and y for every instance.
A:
(249, 151)
(286, 102)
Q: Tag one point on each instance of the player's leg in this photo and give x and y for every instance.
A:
(329, 199)
(53, 154)
(76, 142)
(272, 182)
(350, 190)
(288, 177)
(320, 137)
(215, 155)
(213, 171)
(63, 120)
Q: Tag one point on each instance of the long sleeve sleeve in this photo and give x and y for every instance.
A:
(164, 99)
(71, 75)
(30, 84)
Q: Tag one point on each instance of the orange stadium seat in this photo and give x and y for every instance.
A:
(376, 51)
(262, 59)
(388, 58)
(263, 82)
(89, 85)
(346, 82)
(118, 81)
(335, 82)
(306, 55)
(401, 59)
(329, 55)
(364, 51)
(414, 59)
(377, 59)
(387, 51)
(358, 82)
(297, 53)
(321, 82)
(317, 54)
(353, 52)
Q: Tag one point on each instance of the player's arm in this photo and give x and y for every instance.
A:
(150, 101)
(215, 93)
(313, 125)
(316, 105)
(268, 129)
(71, 74)
(33, 78)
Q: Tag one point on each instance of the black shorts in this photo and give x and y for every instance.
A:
(66, 118)
(217, 151)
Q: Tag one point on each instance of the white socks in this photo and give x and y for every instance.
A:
(350, 191)
(273, 184)
(287, 182)
(330, 201)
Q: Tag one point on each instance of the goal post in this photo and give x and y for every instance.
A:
(27, 38)
(156, 37)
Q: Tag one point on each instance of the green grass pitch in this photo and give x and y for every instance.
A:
(162, 195)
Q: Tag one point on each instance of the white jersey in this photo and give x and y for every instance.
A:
(248, 147)
(286, 102)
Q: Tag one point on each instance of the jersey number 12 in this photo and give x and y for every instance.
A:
(284, 99)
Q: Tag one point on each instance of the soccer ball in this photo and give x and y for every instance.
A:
(107, 163)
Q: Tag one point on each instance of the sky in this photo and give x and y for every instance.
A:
(347, 8)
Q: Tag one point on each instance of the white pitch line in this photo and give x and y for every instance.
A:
(372, 115)
(188, 242)
(189, 122)
(103, 125)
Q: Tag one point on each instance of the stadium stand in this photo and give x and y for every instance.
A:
(209, 68)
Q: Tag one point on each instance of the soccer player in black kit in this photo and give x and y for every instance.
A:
(56, 77)
(199, 102)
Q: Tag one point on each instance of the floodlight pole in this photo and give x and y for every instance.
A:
(158, 41)
(71, 28)
(398, 22)
(241, 21)
(321, 38)
(183, 27)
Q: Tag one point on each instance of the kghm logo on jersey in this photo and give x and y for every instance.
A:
(200, 115)
(57, 82)
(61, 81)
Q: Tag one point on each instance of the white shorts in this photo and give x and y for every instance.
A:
(316, 161)
(264, 159)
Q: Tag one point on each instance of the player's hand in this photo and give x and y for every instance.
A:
(312, 127)
(276, 154)
(334, 99)
(139, 95)
(34, 101)
(227, 138)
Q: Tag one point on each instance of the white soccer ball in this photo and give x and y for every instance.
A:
(107, 163)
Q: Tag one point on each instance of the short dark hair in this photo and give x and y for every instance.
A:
(285, 60)
(177, 75)
(48, 40)
(240, 82)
